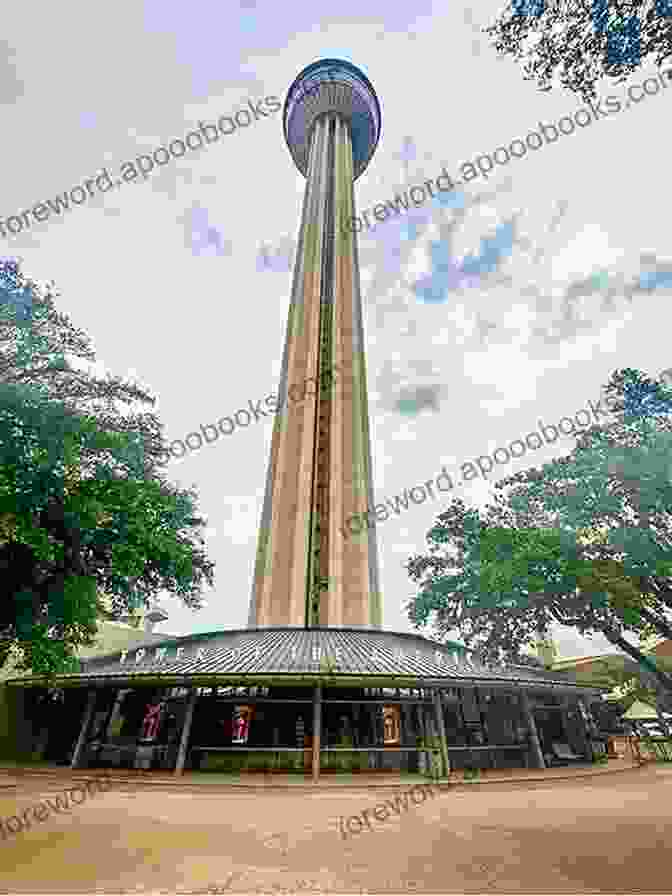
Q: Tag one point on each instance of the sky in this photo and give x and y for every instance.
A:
(483, 315)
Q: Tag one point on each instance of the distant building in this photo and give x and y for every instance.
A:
(111, 636)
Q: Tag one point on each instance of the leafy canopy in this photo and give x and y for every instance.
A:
(40, 347)
(584, 541)
(576, 43)
(79, 515)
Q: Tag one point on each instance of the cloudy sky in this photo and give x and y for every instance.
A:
(183, 279)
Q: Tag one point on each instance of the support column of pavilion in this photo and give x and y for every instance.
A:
(115, 711)
(86, 724)
(585, 715)
(565, 710)
(423, 723)
(443, 742)
(430, 728)
(186, 731)
(317, 728)
(537, 755)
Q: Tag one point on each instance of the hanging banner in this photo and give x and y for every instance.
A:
(391, 726)
(152, 720)
(242, 715)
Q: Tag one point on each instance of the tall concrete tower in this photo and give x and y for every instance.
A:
(307, 573)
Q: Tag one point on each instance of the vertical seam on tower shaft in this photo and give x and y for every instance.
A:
(324, 405)
(317, 541)
(316, 149)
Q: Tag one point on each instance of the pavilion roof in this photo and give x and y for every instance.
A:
(289, 654)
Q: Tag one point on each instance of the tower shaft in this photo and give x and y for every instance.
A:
(308, 572)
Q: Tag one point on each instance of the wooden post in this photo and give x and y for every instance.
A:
(373, 757)
(423, 755)
(433, 734)
(564, 719)
(379, 718)
(583, 715)
(317, 728)
(186, 731)
(442, 733)
(587, 720)
(537, 755)
(86, 723)
(115, 714)
(405, 737)
(356, 734)
(103, 733)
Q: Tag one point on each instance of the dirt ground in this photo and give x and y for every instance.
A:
(609, 834)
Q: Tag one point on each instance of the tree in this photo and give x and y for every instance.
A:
(616, 483)
(618, 479)
(80, 516)
(635, 396)
(452, 589)
(574, 43)
(37, 348)
(502, 586)
(584, 541)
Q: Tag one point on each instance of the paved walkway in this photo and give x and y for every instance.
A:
(607, 833)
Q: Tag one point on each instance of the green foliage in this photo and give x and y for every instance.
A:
(82, 509)
(38, 346)
(571, 45)
(81, 515)
(585, 541)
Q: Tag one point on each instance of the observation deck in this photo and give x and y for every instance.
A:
(332, 85)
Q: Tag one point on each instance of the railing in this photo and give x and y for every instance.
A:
(277, 752)
(433, 752)
(115, 753)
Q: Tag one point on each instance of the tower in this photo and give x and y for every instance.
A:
(319, 474)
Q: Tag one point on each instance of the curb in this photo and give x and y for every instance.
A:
(147, 783)
(537, 780)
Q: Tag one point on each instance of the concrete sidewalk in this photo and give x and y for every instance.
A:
(601, 833)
